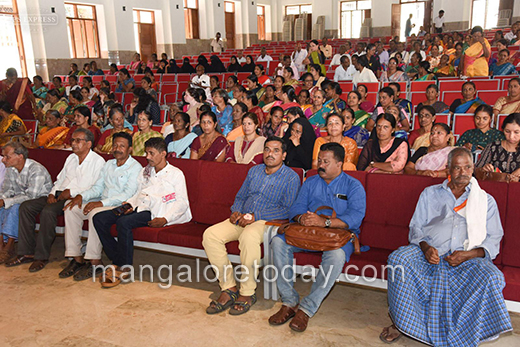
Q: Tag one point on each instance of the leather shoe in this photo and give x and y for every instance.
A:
(71, 269)
(283, 315)
(37, 265)
(299, 322)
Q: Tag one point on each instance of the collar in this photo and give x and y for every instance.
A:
(445, 186)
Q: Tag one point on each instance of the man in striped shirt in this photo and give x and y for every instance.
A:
(267, 193)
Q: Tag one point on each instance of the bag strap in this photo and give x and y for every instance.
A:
(326, 208)
(355, 241)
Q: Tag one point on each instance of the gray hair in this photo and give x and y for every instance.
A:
(89, 137)
(18, 148)
(459, 151)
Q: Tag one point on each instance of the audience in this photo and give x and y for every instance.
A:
(483, 134)
(52, 135)
(469, 101)
(117, 121)
(144, 133)
(223, 111)
(300, 139)
(125, 83)
(211, 145)
(421, 137)
(432, 99)
(474, 61)
(10, 124)
(249, 147)
(239, 110)
(510, 103)
(357, 133)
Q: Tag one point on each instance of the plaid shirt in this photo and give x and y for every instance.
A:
(32, 182)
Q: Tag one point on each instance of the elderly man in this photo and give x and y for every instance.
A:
(326, 48)
(344, 72)
(17, 92)
(264, 56)
(331, 187)
(267, 194)
(25, 179)
(342, 52)
(115, 185)
(298, 56)
(443, 288)
(80, 172)
(287, 62)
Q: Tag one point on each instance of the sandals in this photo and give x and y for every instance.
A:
(19, 260)
(216, 307)
(246, 306)
(86, 272)
(38, 265)
(112, 278)
(5, 256)
(386, 332)
(71, 269)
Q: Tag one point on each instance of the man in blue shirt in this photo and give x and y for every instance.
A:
(443, 288)
(117, 183)
(333, 188)
(267, 193)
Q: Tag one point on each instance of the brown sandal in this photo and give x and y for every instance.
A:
(386, 331)
(112, 278)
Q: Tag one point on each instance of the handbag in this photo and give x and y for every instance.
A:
(482, 175)
(318, 238)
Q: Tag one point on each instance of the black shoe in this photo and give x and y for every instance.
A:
(87, 271)
(71, 269)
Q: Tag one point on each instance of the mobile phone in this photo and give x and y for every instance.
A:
(118, 211)
(57, 194)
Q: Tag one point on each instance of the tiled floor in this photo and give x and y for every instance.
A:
(43, 310)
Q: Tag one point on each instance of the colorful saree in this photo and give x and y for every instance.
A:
(48, 138)
(107, 139)
(10, 124)
(434, 161)
(475, 63)
(212, 150)
(139, 140)
(469, 106)
(20, 97)
(362, 118)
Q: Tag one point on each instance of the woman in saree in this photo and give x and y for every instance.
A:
(335, 126)
(117, 120)
(179, 142)
(268, 99)
(250, 147)
(287, 97)
(483, 134)
(254, 86)
(300, 139)
(421, 137)
(317, 75)
(17, 92)
(275, 125)
(361, 116)
(432, 99)
(239, 110)
(413, 68)
(435, 57)
(469, 101)
(288, 75)
(136, 62)
(333, 92)
(304, 99)
(316, 57)
(83, 119)
(424, 73)
(52, 135)
(503, 66)
(510, 103)
(39, 91)
(432, 160)
(474, 61)
(144, 123)
(318, 112)
(393, 73)
(10, 124)
(444, 69)
(211, 145)
(357, 133)
(260, 74)
(365, 104)
(54, 103)
(386, 153)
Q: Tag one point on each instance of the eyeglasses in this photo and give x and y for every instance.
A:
(425, 116)
(72, 140)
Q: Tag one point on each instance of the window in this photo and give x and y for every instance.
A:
(11, 43)
(191, 18)
(353, 13)
(83, 31)
(260, 22)
(229, 7)
(297, 9)
(485, 13)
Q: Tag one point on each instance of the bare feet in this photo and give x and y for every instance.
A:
(390, 334)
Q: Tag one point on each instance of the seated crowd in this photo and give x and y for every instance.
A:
(296, 118)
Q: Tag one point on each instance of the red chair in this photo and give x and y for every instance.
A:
(164, 117)
(450, 85)
(372, 97)
(501, 118)
(112, 79)
(138, 78)
(346, 87)
(170, 98)
(119, 97)
(372, 87)
(420, 86)
(97, 79)
(504, 80)
(242, 76)
(463, 122)
(487, 84)
(417, 98)
(183, 77)
(169, 78)
(401, 84)
(439, 118)
(490, 97)
(449, 97)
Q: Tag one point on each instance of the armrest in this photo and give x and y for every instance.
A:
(277, 222)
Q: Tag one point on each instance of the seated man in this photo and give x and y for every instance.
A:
(117, 183)
(331, 187)
(345, 71)
(25, 179)
(80, 172)
(267, 194)
(161, 199)
(443, 288)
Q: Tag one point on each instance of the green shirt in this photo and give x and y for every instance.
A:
(479, 139)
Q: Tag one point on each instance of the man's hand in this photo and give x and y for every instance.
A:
(245, 222)
(91, 205)
(430, 253)
(2, 204)
(77, 200)
(235, 216)
(157, 222)
(65, 195)
(51, 199)
(458, 257)
(311, 219)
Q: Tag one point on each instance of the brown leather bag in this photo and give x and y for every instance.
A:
(482, 175)
(318, 238)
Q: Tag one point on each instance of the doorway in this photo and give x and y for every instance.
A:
(416, 9)
(11, 45)
(144, 27)
(229, 8)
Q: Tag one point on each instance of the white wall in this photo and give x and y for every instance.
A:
(454, 10)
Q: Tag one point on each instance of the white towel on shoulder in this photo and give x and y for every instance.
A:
(475, 213)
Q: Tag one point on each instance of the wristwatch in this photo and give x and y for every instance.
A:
(328, 222)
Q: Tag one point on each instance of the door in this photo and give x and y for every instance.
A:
(229, 9)
(396, 20)
(260, 22)
(147, 44)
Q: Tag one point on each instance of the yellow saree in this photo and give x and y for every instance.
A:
(475, 63)
(49, 138)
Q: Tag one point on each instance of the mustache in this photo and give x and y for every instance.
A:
(117, 152)
(321, 170)
(269, 157)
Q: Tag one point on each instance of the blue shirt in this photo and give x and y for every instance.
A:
(116, 184)
(119, 88)
(269, 197)
(436, 223)
(225, 118)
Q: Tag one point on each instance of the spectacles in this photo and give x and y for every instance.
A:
(72, 140)
(425, 116)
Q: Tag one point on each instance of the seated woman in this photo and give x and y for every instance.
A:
(213, 83)
(186, 67)
(251, 101)
(249, 65)
(278, 83)
(179, 142)
(413, 68)
(469, 101)
(275, 125)
(211, 145)
(357, 133)
(444, 69)
(315, 57)
(93, 92)
(54, 103)
(317, 75)
(268, 99)
(399, 132)
(504, 155)
(234, 66)
(361, 116)
(510, 103)
(82, 119)
(254, 86)
(432, 160)
(318, 112)
(10, 124)
(125, 83)
(144, 124)
(300, 139)
(334, 102)
(432, 96)
(193, 97)
(393, 73)
(52, 135)
(421, 137)
(39, 90)
(260, 74)
(143, 102)
(250, 147)
(435, 57)
(223, 110)
(304, 99)
(287, 97)
(239, 110)
(386, 99)
(423, 72)
(288, 75)
(146, 84)
(503, 66)
(117, 120)
(386, 154)
(335, 125)
(483, 134)
(85, 100)
(365, 104)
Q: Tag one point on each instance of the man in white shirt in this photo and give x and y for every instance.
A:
(73, 85)
(360, 49)
(202, 81)
(416, 49)
(264, 56)
(161, 199)
(363, 73)
(404, 53)
(298, 56)
(383, 54)
(344, 72)
(217, 45)
(438, 22)
(80, 172)
(342, 51)
(326, 48)
(116, 184)
(287, 62)
(240, 57)
(513, 34)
